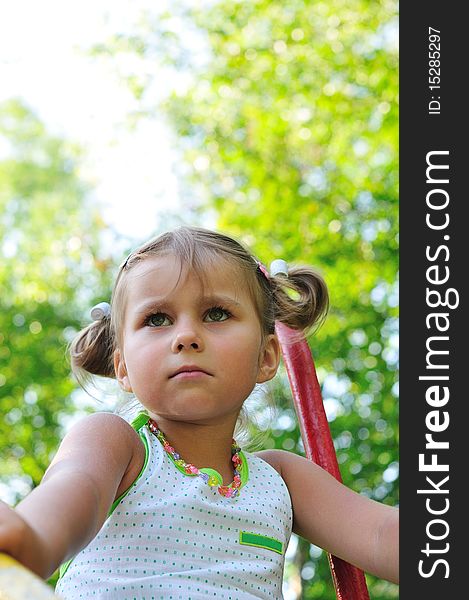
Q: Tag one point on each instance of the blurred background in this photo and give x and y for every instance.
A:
(275, 122)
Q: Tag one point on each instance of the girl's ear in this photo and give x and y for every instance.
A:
(120, 370)
(269, 359)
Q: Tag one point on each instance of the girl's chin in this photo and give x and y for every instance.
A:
(193, 411)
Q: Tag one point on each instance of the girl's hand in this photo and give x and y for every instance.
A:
(19, 540)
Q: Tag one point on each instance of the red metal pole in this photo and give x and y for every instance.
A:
(349, 581)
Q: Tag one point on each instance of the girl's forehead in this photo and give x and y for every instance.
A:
(164, 274)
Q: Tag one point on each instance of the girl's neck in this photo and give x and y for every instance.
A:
(203, 445)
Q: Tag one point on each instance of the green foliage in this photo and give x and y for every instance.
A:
(289, 130)
(50, 270)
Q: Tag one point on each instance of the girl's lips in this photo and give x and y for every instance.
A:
(190, 375)
(189, 371)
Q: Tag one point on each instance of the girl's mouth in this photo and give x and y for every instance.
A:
(190, 375)
(189, 372)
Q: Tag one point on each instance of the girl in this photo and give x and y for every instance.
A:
(171, 507)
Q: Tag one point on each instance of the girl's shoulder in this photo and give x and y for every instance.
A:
(286, 463)
(126, 434)
(272, 457)
(110, 437)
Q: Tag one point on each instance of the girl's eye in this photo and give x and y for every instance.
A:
(157, 320)
(217, 314)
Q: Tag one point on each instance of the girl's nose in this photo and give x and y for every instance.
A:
(187, 339)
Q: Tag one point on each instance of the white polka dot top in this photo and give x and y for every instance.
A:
(171, 536)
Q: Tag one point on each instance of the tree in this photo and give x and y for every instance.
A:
(51, 269)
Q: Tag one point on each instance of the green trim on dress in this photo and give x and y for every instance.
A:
(247, 538)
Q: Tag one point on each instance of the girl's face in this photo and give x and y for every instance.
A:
(191, 354)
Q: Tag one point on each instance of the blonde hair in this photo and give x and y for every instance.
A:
(299, 300)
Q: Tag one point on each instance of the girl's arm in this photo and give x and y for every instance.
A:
(66, 511)
(361, 531)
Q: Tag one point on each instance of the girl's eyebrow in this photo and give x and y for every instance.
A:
(163, 304)
(220, 299)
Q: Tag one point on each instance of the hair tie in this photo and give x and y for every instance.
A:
(100, 311)
(262, 269)
(279, 267)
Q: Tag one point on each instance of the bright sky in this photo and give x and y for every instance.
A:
(42, 61)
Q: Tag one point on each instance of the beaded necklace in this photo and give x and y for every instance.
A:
(210, 476)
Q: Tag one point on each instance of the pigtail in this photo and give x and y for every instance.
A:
(91, 352)
(301, 300)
